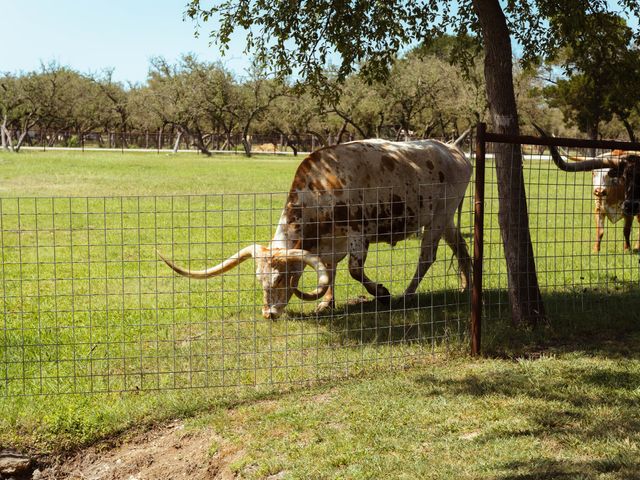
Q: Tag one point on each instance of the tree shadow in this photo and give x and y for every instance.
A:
(583, 403)
(431, 316)
(602, 321)
(552, 469)
(598, 321)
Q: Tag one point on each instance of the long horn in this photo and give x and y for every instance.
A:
(588, 164)
(316, 263)
(573, 158)
(219, 269)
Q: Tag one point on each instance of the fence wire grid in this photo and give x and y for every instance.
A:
(89, 307)
(577, 273)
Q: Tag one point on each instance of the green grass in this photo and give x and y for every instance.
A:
(563, 416)
(114, 319)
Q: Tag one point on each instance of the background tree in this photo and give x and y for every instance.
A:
(602, 68)
(294, 115)
(116, 106)
(359, 107)
(191, 96)
(257, 94)
(15, 110)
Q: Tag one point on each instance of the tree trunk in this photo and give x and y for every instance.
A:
(592, 133)
(246, 142)
(20, 140)
(8, 138)
(341, 133)
(629, 129)
(524, 293)
(176, 145)
(3, 135)
(293, 146)
(200, 143)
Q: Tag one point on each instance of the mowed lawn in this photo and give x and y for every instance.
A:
(88, 308)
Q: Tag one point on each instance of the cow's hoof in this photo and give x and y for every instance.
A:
(409, 299)
(325, 307)
(382, 295)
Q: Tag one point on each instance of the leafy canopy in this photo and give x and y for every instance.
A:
(300, 37)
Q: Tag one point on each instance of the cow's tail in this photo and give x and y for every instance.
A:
(453, 237)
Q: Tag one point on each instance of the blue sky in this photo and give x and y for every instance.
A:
(89, 36)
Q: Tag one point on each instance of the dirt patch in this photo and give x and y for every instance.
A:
(171, 451)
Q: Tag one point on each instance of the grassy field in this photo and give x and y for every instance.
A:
(88, 308)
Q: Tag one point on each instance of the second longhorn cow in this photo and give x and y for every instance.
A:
(609, 193)
(345, 197)
(616, 186)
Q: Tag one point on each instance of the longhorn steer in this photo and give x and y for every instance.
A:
(609, 192)
(626, 162)
(345, 197)
(619, 164)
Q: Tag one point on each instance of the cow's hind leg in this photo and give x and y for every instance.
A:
(454, 239)
(358, 249)
(626, 232)
(637, 247)
(428, 248)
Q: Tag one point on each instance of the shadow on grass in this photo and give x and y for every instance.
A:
(595, 320)
(621, 466)
(592, 320)
(581, 402)
(426, 317)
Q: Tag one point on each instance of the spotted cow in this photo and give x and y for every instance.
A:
(609, 193)
(342, 199)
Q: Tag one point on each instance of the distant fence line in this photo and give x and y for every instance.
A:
(173, 141)
(168, 140)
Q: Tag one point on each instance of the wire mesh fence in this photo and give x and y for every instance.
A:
(583, 262)
(88, 306)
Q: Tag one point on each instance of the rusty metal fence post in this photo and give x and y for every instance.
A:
(478, 241)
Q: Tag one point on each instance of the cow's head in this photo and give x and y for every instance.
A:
(624, 164)
(278, 271)
(631, 180)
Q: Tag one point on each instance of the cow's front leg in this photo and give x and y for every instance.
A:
(358, 249)
(328, 301)
(428, 248)
(626, 232)
(637, 247)
(599, 230)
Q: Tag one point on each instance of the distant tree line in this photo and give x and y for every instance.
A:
(426, 95)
